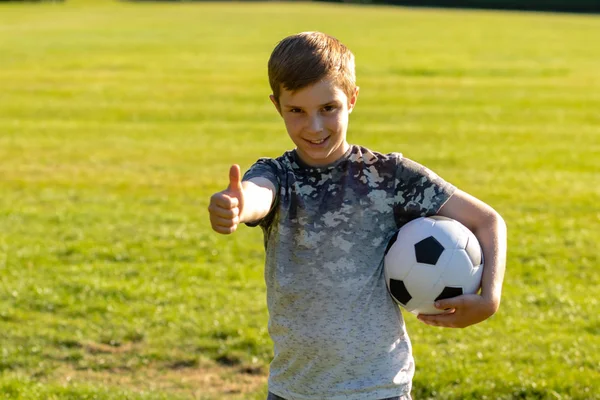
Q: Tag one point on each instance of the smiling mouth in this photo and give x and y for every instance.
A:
(317, 141)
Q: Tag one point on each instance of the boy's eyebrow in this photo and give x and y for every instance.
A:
(322, 105)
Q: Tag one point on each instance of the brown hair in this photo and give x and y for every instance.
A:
(303, 59)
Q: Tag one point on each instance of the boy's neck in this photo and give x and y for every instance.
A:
(342, 151)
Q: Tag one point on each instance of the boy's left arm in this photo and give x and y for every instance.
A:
(490, 230)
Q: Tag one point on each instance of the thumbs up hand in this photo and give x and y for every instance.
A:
(226, 206)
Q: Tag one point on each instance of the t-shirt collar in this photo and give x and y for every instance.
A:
(297, 162)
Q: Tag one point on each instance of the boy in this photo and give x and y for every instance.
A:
(328, 210)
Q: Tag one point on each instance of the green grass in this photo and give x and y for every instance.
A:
(119, 120)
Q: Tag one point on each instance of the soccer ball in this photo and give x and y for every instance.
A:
(429, 259)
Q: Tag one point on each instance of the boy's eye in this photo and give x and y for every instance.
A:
(328, 108)
(295, 110)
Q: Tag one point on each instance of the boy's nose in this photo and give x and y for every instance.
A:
(315, 124)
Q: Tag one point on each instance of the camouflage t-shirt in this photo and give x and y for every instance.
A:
(336, 331)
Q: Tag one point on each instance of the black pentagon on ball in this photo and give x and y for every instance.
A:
(399, 292)
(449, 292)
(428, 251)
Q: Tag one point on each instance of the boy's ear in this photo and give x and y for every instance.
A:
(276, 103)
(352, 100)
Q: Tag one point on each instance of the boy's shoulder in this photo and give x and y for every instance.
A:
(365, 155)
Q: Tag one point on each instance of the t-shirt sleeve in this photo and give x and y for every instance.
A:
(420, 192)
(270, 169)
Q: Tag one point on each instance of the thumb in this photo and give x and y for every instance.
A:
(235, 180)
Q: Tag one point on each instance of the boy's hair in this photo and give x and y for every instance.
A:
(306, 58)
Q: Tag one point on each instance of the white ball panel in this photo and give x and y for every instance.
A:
(437, 289)
(473, 248)
(423, 277)
(459, 269)
(416, 228)
(461, 273)
(475, 283)
(442, 262)
(440, 218)
(401, 257)
(451, 234)
(399, 260)
(467, 234)
(428, 309)
(412, 305)
(426, 300)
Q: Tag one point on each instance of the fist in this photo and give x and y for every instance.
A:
(225, 207)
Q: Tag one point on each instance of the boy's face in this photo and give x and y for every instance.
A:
(316, 118)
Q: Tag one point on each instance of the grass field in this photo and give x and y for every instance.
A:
(119, 120)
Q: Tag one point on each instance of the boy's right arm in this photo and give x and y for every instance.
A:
(241, 202)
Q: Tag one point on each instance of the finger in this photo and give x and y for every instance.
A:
(224, 201)
(229, 213)
(447, 322)
(224, 222)
(225, 230)
(453, 302)
(235, 178)
(437, 318)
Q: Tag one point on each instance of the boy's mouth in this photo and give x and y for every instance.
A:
(318, 141)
